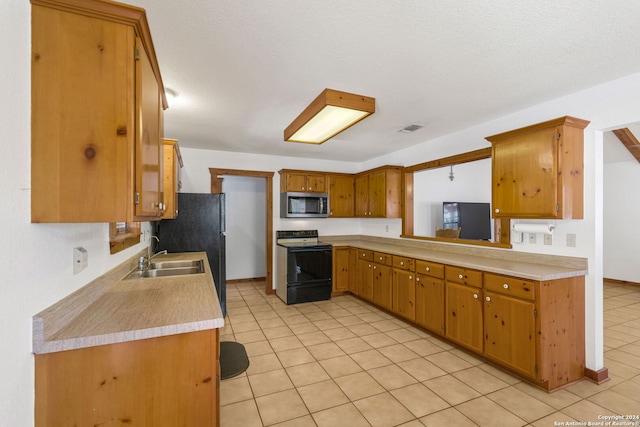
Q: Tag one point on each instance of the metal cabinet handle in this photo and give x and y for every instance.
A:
(410, 277)
(488, 298)
(417, 279)
(401, 262)
(497, 210)
(475, 296)
(374, 267)
(380, 258)
(369, 265)
(460, 276)
(428, 269)
(505, 286)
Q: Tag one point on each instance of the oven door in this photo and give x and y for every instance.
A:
(309, 273)
(309, 264)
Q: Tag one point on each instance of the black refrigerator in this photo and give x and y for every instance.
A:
(199, 226)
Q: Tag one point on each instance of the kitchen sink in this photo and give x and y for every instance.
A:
(169, 268)
(177, 264)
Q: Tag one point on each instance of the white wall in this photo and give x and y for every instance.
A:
(621, 211)
(35, 259)
(246, 226)
(471, 183)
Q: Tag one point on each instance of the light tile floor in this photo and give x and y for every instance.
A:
(345, 363)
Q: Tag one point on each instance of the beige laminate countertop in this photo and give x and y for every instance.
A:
(112, 309)
(523, 265)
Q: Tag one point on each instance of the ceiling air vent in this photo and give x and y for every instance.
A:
(411, 128)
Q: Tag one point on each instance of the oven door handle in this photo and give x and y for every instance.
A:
(311, 249)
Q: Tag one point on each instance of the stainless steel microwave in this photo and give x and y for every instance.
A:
(304, 205)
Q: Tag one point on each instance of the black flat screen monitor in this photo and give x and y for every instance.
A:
(474, 219)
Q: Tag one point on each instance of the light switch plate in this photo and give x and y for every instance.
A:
(80, 259)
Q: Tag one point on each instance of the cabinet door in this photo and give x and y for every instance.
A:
(164, 381)
(170, 181)
(295, 182)
(382, 289)
(430, 303)
(341, 261)
(525, 175)
(82, 122)
(149, 149)
(404, 293)
(341, 196)
(377, 194)
(316, 183)
(362, 195)
(464, 315)
(365, 279)
(509, 332)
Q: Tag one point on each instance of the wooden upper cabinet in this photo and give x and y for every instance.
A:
(341, 195)
(538, 171)
(172, 165)
(378, 193)
(97, 101)
(302, 181)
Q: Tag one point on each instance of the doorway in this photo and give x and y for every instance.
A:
(217, 177)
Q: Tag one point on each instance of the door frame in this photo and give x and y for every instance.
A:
(216, 187)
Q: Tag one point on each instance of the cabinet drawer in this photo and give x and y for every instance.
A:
(404, 263)
(430, 268)
(382, 258)
(464, 276)
(365, 254)
(510, 286)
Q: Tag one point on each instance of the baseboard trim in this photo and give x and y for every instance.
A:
(251, 279)
(620, 282)
(600, 376)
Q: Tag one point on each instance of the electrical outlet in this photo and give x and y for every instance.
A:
(532, 238)
(571, 240)
(80, 259)
(548, 239)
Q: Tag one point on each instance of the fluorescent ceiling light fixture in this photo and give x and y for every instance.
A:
(328, 115)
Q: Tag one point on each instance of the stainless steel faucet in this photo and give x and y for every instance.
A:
(146, 264)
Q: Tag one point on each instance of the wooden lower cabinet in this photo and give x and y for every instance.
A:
(430, 303)
(166, 381)
(533, 328)
(464, 315)
(404, 293)
(430, 296)
(382, 285)
(342, 273)
(510, 332)
(365, 279)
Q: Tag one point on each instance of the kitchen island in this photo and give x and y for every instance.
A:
(131, 350)
(524, 312)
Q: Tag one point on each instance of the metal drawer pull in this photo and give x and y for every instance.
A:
(427, 268)
(488, 299)
(374, 267)
(460, 276)
(475, 296)
(505, 286)
(401, 262)
(410, 277)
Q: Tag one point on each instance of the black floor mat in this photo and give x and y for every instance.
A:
(233, 359)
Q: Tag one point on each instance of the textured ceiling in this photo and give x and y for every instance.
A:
(244, 69)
